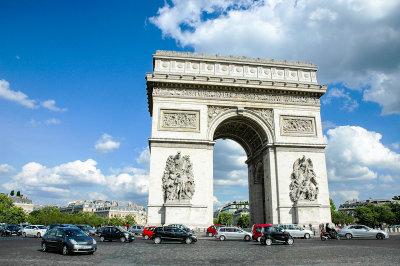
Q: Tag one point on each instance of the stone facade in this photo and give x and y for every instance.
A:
(271, 108)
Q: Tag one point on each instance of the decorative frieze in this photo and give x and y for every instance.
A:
(297, 126)
(214, 111)
(236, 95)
(180, 120)
(266, 114)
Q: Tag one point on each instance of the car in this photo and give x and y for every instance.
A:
(213, 229)
(172, 233)
(232, 233)
(136, 229)
(34, 230)
(86, 229)
(10, 229)
(99, 230)
(68, 240)
(297, 231)
(181, 226)
(111, 233)
(61, 225)
(361, 231)
(148, 232)
(257, 229)
(275, 234)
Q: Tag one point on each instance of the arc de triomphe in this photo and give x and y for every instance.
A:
(271, 108)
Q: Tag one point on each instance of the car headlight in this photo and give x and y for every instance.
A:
(94, 242)
(127, 235)
(73, 242)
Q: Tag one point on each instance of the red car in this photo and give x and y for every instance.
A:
(212, 230)
(148, 232)
(256, 231)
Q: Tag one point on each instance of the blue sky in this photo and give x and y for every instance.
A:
(74, 121)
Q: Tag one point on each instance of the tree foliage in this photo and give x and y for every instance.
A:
(373, 216)
(244, 221)
(224, 218)
(9, 213)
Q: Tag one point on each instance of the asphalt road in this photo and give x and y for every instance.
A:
(26, 251)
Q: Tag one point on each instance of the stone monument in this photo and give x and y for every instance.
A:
(270, 107)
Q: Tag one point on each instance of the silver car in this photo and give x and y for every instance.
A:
(297, 231)
(361, 231)
(232, 233)
(136, 229)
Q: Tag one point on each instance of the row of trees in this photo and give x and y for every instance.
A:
(369, 215)
(226, 219)
(49, 215)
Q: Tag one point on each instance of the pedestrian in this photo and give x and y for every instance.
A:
(310, 225)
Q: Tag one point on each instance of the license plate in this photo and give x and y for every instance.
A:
(83, 247)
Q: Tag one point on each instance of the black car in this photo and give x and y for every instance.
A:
(10, 229)
(172, 233)
(114, 233)
(274, 234)
(68, 240)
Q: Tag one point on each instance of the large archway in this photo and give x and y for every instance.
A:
(271, 108)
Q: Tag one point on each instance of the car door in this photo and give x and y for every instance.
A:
(28, 230)
(107, 233)
(115, 233)
(59, 239)
(50, 239)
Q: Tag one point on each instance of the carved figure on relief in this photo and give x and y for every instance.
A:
(304, 185)
(178, 179)
(214, 111)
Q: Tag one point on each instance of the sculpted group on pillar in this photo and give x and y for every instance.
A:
(304, 184)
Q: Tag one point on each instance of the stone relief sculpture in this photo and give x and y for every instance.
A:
(178, 179)
(304, 185)
(214, 111)
(180, 120)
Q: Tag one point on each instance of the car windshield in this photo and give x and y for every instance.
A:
(89, 227)
(74, 232)
(12, 226)
(41, 227)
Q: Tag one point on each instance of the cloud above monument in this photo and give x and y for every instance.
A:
(105, 144)
(335, 35)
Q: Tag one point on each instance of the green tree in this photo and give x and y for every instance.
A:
(215, 221)
(396, 197)
(129, 219)
(9, 213)
(395, 207)
(18, 193)
(333, 207)
(12, 193)
(244, 221)
(225, 218)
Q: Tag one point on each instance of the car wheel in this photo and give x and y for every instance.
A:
(146, 237)
(306, 236)
(247, 238)
(44, 247)
(188, 240)
(258, 239)
(65, 250)
(24, 234)
(122, 239)
(268, 242)
(222, 238)
(348, 236)
(157, 240)
(210, 234)
(380, 236)
(289, 241)
(102, 239)
(39, 235)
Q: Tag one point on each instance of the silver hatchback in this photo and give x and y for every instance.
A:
(232, 233)
(361, 231)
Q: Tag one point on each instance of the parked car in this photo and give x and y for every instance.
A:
(61, 225)
(212, 230)
(224, 233)
(87, 229)
(148, 232)
(10, 229)
(111, 233)
(68, 240)
(274, 234)
(34, 230)
(361, 231)
(181, 226)
(172, 233)
(99, 230)
(257, 229)
(136, 229)
(297, 231)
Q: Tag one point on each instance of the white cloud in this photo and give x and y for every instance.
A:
(51, 105)
(344, 195)
(144, 158)
(386, 178)
(6, 168)
(335, 35)
(348, 104)
(15, 96)
(353, 153)
(396, 145)
(52, 121)
(106, 144)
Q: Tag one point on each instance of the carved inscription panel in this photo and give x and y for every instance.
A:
(179, 120)
(297, 126)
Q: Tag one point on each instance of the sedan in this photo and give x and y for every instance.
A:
(232, 233)
(361, 231)
(297, 231)
(68, 240)
(34, 230)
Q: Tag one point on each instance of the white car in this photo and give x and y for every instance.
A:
(34, 230)
(297, 231)
(232, 233)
